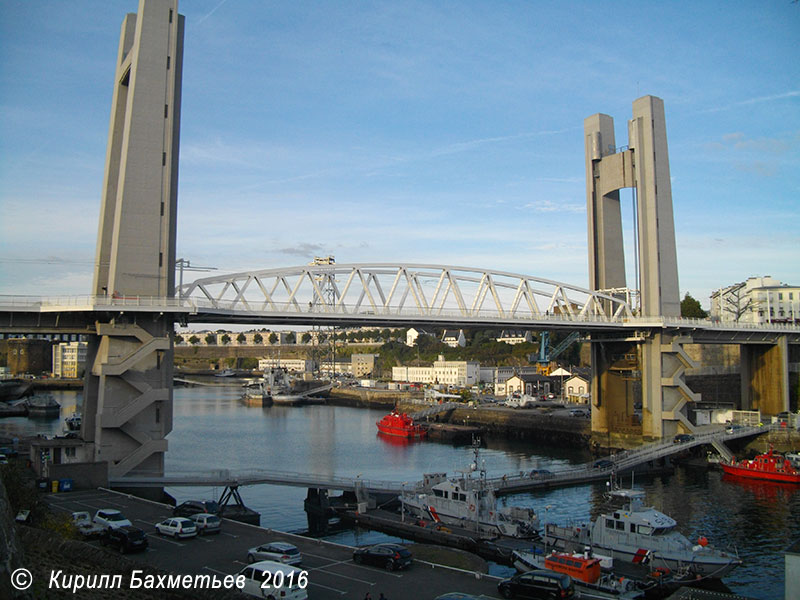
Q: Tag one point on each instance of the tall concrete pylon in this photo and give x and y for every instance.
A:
(127, 410)
(661, 361)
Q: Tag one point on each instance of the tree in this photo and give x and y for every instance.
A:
(291, 338)
(273, 338)
(226, 339)
(306, 337)
(211, 339)
(735, 301)
(194, 340)
(178, 339)
(691, 308)
(241, 339)
(257, 338)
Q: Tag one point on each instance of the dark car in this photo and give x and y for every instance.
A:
(682, 438)
(388, 556)
(537, 584)
(540, 474)
(603, 463)
(125, 539)
(193, 507)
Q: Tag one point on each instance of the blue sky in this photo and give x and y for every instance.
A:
(437, 132)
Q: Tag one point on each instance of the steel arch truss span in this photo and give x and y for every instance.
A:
(414, 292)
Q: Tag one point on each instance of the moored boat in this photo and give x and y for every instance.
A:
(642, 535)
(401, 425)
(470, 503)
(12, 389)
(586, 573)
(73, 422)
(769, 466)
(43, 406)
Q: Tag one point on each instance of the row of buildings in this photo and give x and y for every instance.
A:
(501, 381)
(757, 300)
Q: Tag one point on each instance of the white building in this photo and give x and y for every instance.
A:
(295, 365)
(454, 338)
(576, 389)
(69, 359)
(412, 334)
(757, 300)
(515, 336)
(458, 373)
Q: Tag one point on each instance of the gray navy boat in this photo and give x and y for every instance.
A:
(640, 534)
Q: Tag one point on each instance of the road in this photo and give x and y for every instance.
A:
(332, 574)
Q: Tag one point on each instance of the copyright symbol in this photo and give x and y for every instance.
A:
(21, 579)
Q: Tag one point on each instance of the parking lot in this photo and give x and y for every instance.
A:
(331, 570)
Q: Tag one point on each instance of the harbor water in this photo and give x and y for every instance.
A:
(213, 430)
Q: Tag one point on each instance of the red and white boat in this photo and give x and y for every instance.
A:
(401, 425)
(769, 466)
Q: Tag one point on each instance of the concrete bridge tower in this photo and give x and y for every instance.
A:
(657, 358)
(128, 390)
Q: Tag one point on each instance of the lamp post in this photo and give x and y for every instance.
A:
(403, 503)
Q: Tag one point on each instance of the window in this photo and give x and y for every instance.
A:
(620, 526)
(609, 523)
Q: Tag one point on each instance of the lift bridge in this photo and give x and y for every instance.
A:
(129, 317)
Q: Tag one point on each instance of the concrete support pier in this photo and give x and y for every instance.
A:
(128, 390)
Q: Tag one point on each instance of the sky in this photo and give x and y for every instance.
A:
(435, 132)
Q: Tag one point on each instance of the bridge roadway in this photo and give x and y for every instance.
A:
(506, 484)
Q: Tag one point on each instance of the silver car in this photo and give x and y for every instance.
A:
(206, 523)
(276, 551)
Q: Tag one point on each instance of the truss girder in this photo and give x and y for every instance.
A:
(403, 290)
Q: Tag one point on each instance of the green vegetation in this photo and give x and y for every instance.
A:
(690, 308)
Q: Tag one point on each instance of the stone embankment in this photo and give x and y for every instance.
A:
(524, 424)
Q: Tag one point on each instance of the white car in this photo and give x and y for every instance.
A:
(179, 527)
(110, 518)
(279, 581)
(277, 551)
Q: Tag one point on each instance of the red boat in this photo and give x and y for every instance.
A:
(400, 424)
(769, 466)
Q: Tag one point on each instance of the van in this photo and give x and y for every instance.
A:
(279, 581)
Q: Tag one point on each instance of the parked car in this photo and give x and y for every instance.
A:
(732, 428)
(125, 539)
(206, 523)
(603, 463)
(276, 551)
(110, 518)
(537, 584)
(3, 459)
(193, 507)
(86, 527)
(682, 438)
(293, 582)
(580, 412)
(389, 556)
(179, 527)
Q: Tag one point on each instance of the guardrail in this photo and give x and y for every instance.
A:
(195, 305)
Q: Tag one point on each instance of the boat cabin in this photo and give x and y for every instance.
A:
(582, 568)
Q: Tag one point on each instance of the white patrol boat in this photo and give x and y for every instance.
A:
(469, 502)
(642, 535)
